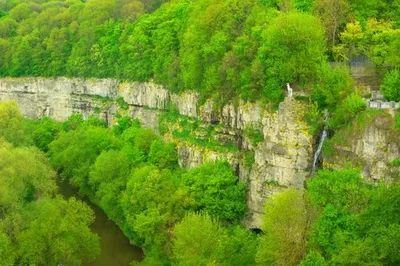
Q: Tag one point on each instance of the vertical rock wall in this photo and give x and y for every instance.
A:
(281, 160)
(371, 145)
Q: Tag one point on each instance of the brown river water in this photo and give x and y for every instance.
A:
(116, 249)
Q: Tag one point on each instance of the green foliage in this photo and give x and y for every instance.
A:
(380, 225)
(357, 222)
(193, 131)
(75, 151)
(255, 135)
(108, 178)
(142, 138)
(369, 236)
(6, 252)
(248, 158)
(11, 126)
(122, 104)
(163, 155)
(284, 225)
(197, 44)
(249, 52)
(57, 231)
(123, 124)
(73, 122)
(303, 5)
(45, 132)
(35, 228)
(139, 185)
(333, 86)
(216, 190)
(314, 118)
(313, 259)
(150, 203)
(240, 247)
(372, 37)
(198, 240)
(151, 259)
(395, 163)
(328, 148)
(201, 240)
(24, 175)
(391, 86)
(347, 111)
(342, 189)
(294, 49)
(222, 49)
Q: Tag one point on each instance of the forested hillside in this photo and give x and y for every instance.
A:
(220, 48)
(225, 50)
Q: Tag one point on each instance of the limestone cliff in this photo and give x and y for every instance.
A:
(370, 143)
(269, 149)
(283, 159)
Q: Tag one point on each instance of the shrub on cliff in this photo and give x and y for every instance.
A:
(391, 86)
(346, 111)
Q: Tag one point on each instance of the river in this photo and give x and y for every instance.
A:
(116, 249)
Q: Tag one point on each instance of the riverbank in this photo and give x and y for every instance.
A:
(115, 246)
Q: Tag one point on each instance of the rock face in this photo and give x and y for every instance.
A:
(372, 147)
(280, 158)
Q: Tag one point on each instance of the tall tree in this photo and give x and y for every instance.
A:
(198, 240)
(285, 226)
(333, 14)
(57, 231)
(216, 190)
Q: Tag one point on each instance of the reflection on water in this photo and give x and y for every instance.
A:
(115, 247)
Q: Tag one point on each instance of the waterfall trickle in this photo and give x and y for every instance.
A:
(318, 151)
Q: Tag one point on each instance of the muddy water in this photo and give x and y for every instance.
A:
(116, 249)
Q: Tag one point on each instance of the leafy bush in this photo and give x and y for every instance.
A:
(333, 86)
(328, 149)
(285, 228)
(313, 259)
(346, 111)
(123, 124)
(391, 86)
(45, 132)
(253, 134)
(248, 158)
(122, 104)
(314, 118)
(11, 126)
(163, 155)
(216, 190)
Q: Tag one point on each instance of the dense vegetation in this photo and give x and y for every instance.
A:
(180, 217)
(37, 227)
(127, 170)
(223, 49)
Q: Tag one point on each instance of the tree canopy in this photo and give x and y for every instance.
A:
(242, 48)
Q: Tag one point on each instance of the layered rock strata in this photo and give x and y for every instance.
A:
(281, 158)
(372, 145)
